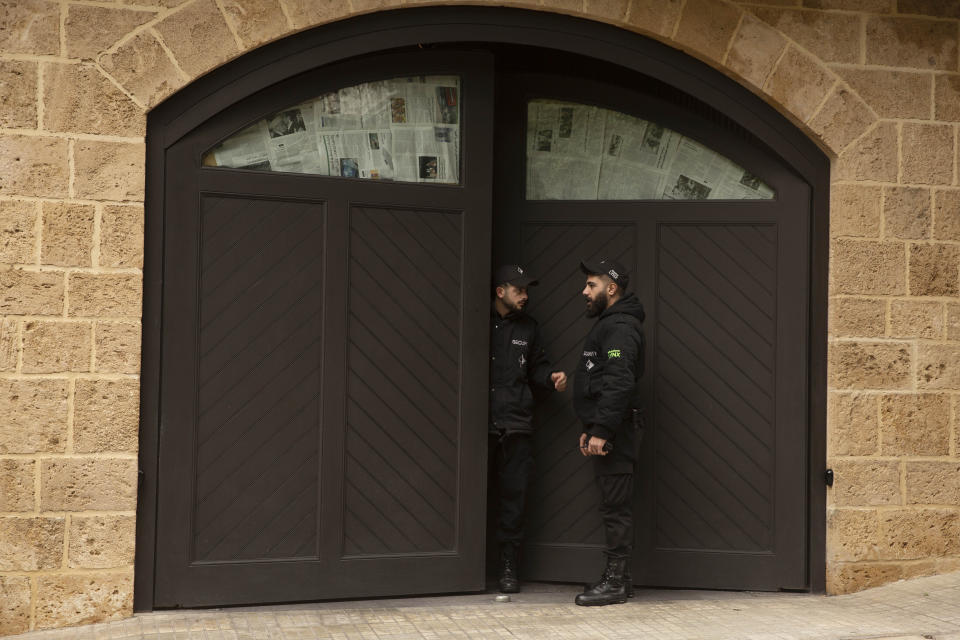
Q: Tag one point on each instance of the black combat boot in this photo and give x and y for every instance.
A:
(628, 580)
(610, 589)
(508, 580)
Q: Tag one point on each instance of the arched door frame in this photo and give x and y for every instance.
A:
(255, 71)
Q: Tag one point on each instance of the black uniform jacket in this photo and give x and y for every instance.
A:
(518, 368)
(605, 385)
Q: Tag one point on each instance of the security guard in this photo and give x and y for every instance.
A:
(605, 399)
(519, 370)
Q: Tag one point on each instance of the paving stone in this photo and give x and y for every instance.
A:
(925, 608)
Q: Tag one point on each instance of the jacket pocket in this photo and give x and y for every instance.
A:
(594, 384)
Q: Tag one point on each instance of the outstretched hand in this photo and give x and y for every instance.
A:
(559, 379)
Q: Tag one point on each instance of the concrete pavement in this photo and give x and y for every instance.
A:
(922, 608)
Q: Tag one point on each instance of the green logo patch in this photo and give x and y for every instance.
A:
(613, 353)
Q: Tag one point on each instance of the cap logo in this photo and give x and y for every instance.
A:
(519, 270)
(613, 274)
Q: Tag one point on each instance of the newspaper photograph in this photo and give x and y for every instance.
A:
(358, 154)
(400, 129)
(564, 151)
(431, 154)
(581, 152)
(292, 145)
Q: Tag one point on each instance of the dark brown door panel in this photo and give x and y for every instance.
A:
(323, 394)
(721, 483)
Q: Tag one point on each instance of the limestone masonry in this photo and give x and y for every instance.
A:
(875, 82)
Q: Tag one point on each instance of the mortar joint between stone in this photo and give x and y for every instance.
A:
(40, 318)
(71, 394)
(37, 484)
(65, 561)
(286, 13)
(41, 107)
(19, 367)
(66, 294)
(63, 514)
(42, 573)
(63, 135)
(37, 233)
(55, 268)
(903, 483)
(733, 38)
(64, 7)
(676, 25)
(829, 94)
(887, 329)
(93, 347)
(899, 128)
(125, 92)
(776, 65)
(956, 148)
(34, 589)
(173, 59)
(628, 12)
(147, 27)
(40, 200)
(953, 426)
(95, 241)
(39, 58)
(97, 455)
(233, 29)
(71, 189)
(914, 364)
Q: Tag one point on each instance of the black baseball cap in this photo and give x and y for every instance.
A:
(515, 275)
(608, 267)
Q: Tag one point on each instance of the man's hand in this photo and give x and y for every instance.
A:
(559, 379)
(592, 445)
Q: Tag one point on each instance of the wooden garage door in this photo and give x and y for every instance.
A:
(324, 348)
(721, 479)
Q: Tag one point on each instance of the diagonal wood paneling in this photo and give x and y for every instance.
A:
(715, 337)
(259, 380)
(402, 393)
(563, 504)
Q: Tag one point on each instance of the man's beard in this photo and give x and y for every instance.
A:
(598, 305)
(513, 306)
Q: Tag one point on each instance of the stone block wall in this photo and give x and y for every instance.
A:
(875, 82)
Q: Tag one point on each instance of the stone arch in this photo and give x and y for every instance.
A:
(150, 60)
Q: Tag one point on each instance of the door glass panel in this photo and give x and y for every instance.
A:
(581, 152)
(405, 129)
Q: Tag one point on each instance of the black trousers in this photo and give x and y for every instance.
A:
(616, 510)
(510, 466)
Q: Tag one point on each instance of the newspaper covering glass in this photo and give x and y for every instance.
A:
(405, 129)
(581, 152)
